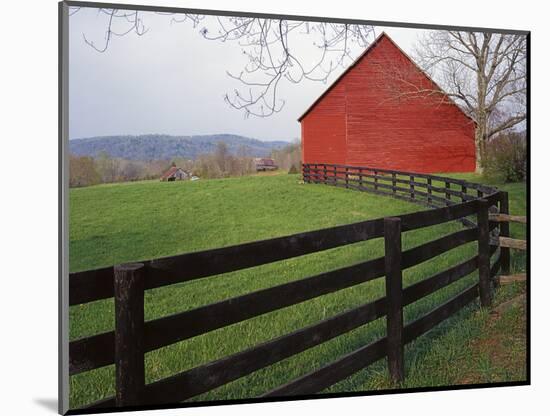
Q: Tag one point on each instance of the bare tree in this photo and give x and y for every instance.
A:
(82, 171)
(485, 73)
(270, 46)
(222, 156)
(108, 167)
(289, 156)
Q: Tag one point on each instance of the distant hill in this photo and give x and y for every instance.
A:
(160, 146)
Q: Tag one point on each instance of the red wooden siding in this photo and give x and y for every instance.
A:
(369, 117)
(329, 123)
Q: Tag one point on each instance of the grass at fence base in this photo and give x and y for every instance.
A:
(118, 223)
(475, 346)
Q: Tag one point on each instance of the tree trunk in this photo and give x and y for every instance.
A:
(481, 134)
(479, 150)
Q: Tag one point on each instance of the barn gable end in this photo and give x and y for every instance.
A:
(383, 112)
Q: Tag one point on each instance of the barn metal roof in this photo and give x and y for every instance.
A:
(170, 172)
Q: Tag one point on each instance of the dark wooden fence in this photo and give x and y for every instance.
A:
(133, 337)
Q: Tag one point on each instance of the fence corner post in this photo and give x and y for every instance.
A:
(394, 296)
(484, 254)
(129, 286)
(504, 232)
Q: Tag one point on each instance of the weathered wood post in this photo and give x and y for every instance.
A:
(347, 176)
(394, 295)
(129, 323)
(504, 232)
(375, 180)
(447, 194)
(325, 173)
(429, 186)
(464, 192)
(393, 183)
(484, 254)
(315, 173)
(412, 186)
(360, 179)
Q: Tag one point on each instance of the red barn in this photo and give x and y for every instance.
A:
(385, 112)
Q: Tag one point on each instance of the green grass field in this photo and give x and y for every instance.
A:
(111, 224)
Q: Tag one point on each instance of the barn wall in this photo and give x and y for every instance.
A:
(382, 125)
(324, 132)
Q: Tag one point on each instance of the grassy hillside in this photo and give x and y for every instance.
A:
(126, 222)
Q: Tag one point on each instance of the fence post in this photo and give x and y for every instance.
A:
(411, 178)
(484, 254)
(360, 179)
(129, 322)
(429, 186)
(447, 195)
(375, 180)
(347, 177)
(325, 173)
(393, 183)
(394, 295)
(464, 192)
(504, 232)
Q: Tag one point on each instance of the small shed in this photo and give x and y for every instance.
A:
(386, 112)
(175, 174)
(264, 164)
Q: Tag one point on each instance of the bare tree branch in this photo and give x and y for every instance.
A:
(268, 44)
(483, 72)
(509, 123)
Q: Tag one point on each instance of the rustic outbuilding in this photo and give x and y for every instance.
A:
(385, 112)
(175, 174)
(264, 164)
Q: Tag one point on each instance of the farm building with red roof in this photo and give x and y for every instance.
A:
(385, 112)
(175, 173)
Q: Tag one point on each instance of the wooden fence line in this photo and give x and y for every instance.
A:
(95, 351)
(97, 284)
(352, 169)
(505, 243)
(132, 338)
(351, 363)
(355, 174)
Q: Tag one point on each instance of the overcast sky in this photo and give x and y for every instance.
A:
(172, 81)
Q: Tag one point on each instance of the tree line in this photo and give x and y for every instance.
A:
(221, 163)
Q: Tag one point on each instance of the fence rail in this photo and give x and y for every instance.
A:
(132, 338)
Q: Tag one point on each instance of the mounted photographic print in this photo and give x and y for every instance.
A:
(264, 208)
